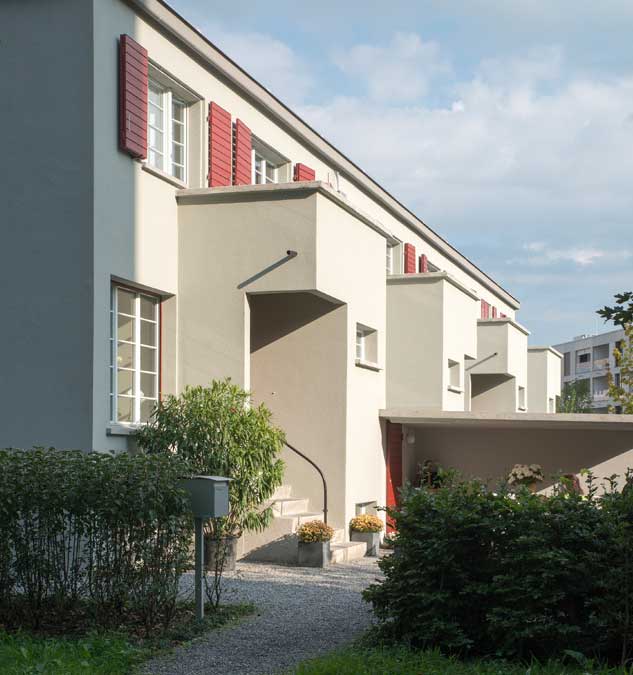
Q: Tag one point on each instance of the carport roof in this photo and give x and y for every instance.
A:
(435, 418)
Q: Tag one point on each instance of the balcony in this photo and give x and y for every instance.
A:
(501, 348)
(601, 364)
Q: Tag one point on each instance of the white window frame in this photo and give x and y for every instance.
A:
(361, 337)
(136, 369)
(389, 260)
(455, 373)
(259, 161)
(521, 398)
(166, 151)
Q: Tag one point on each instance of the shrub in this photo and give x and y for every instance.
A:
(112, 531)
(510, 575)
(366, 522)
(315, 531)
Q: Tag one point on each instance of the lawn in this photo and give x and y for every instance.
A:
(102, 652)
(397, 661)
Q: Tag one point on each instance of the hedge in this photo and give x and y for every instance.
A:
(111, 532)
(510, 575)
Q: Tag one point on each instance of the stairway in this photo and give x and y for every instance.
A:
(278, 543)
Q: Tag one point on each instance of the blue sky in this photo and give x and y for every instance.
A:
(506, 125)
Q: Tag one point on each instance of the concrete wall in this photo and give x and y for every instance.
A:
(493, 393)
(544, 378)
(490, 453)
(46, 179)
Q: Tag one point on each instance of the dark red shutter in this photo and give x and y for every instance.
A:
(424, 263)
(220, 142)
(503, 316)
(394, 467)
(409, 259)
(303, 172)
(494, 312)
(133, 93)
(485, 310)
(242, 154)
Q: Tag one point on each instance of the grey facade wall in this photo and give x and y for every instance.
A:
(46, 235)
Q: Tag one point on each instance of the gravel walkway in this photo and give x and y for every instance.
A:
(302, 613)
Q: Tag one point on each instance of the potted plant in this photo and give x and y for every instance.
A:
(526, 474)
(314, 544)
(367, 528)
(217, 431)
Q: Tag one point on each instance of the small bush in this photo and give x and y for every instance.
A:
(366, 522)
(315, 531)
(90, 529)
(510, 575)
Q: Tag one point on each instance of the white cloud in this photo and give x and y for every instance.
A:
(401, 70)
(539, 253)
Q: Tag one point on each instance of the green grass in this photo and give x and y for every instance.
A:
(399, 661)
(103, 652)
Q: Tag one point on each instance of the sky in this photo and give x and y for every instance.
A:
(505, 125)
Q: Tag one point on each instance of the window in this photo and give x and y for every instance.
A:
(522, 398)
(454, 376)
(268, 166)
(566, 364)
(167, 132)
(134, 347)
(551, 405)
(389, 259)
(366, 345)
(616, 379)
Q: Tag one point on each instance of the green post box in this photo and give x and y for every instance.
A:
(209, 495)
(209, 498)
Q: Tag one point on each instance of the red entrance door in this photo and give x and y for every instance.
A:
(394, 467)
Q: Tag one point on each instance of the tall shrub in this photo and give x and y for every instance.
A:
(77, 529)
(518, 575)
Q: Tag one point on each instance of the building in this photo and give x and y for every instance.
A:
(590, 357)
(168, 221)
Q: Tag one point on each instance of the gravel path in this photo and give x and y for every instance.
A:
(302, 613)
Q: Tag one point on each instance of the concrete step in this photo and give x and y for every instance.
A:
(346, 552)
(339, 536)
(282, 492)
(307, 516)
(290, 506)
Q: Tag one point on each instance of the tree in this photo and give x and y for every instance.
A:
(622, 393)
(575, 397)
(622, 313)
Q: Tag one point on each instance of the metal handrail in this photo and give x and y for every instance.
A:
(307, 459)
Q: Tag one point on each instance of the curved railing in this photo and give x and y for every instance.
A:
(307, 459)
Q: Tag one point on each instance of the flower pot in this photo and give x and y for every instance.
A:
(213, 548)
(314, 554)
(371, 539)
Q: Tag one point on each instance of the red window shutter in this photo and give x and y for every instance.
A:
(409, 259)
(133, 93)
(424, 264)
(503, 316)
(220, 142)
(485, 310)
(242, 154)
(394, 467)
(303, 172)
(494, 312)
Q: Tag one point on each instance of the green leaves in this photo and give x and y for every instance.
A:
(510, 575)
(217, 431)
(111, 529)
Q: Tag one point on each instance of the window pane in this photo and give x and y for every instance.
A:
(125, 382)
(147, 406)
(155, 94)
(178, 154)
(125, 329)
(125, 409)
(148, 359)
(179, 172)
(155, 139)
(125, 355)
(178, 110)
(148, 307)
(148, 333)
(178, 134)
(270, 173)
(148, 385)
(155, 159)
(125, 301)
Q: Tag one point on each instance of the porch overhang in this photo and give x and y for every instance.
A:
(470, 420)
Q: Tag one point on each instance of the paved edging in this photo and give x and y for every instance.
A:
(302, 613)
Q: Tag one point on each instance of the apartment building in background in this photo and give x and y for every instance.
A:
(167, 221)
(590, 357)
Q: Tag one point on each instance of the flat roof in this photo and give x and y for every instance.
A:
(173, 23)
(438, 418)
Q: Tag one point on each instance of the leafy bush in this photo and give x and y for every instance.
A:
(510, 575)
(366, 522)
(216, 431)
(77, 528)
(315, 531)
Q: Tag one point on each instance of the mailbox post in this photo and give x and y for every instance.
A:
(209, 497)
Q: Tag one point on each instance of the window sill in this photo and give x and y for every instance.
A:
(454, 389)
(164, 176)
(368, 365)
(121, 429)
